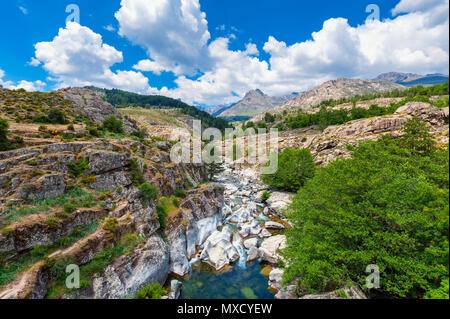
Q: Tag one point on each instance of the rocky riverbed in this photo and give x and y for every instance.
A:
(248, 239)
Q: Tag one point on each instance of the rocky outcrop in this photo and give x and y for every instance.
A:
(219, 251)
(144, 265)
(89, 104)
(47, 186)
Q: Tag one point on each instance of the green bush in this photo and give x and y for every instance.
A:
(76, 169)
(265, 196)
(4, 144)
(136, 175)
(154, 291)
(179, 192)
(113, 124)
(70, 207)
(388, 205)
(295, 167)
(149, 192)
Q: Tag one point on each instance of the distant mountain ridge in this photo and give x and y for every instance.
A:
(411, 79)
(334, 89)
(254, 102)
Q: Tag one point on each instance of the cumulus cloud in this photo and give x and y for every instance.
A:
(415, 41)
(77, 56)
(23, 84)
(34, 62)
(173, 32)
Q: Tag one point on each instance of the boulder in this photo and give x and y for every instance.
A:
(279, 201)
(251, 228)
(105, 161)
(265, 233)
(175, 289)
(270, 247)
(218, 250)
(249, 243)
(110, 181)
(47, 186)
(273, 225)
(252, 254)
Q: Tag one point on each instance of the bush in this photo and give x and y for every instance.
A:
(136, 175)
(76, 169)
(154, 291)
(179, 192)
(265, 196)
(4, 145)
(388, 205)
(112, 124)
(70, 207)
(149, 192)
(295, 167)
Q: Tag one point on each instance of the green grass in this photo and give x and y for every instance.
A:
(10, 268)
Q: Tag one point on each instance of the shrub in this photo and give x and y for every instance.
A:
(52, 222)
(149, 192)
(265, 196)
(388, 205)
(4, 144)
(179, 192)
(135, 172)
(113, 124)
(295, 167)
(154, 291)
(76, 169)
(71, 127)
(70, 207)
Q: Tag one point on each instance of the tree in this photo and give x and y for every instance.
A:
(113, 124)
(388, 205)
(295, 167)
(269, 118)
(213, 169)
(416, 137)
(4, 144)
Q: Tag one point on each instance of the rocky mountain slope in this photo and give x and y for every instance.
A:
(410, 79)
(335, 89)
(69, 197)
(255, 102)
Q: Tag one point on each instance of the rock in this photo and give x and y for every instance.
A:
(47, 186)
(219, 251)
(111, 181)
(175, 289)
(275, 281)
(279, 201)
(265, 233)
(425, 111)
(249, 243)
(251, 228)
(270, 247)
(276, 278)
(252, 254)
(164, 145)
(353, 292)
(273, 225)
(105, 161)
(179, 263)
(130, 272)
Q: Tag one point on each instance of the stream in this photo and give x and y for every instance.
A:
(244, 219)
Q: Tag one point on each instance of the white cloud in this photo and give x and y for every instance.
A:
(78, 57)
(26, 85)
(416, 41)
(34, 62)
(23, 9)
(173, 32)
(149, 66)
(109, 28)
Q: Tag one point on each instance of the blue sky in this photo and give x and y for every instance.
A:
(211, 52)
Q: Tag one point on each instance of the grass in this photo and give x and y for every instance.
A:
(161, 117)
(97, 265)
(76, 197)
(10, 268)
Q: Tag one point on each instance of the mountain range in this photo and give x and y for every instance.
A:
(411, 79)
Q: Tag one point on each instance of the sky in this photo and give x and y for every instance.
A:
(211, 52)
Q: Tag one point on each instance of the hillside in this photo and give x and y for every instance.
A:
(123, 99)
(334, 89)
(254, 102)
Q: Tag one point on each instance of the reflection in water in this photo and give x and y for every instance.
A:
(236, 283)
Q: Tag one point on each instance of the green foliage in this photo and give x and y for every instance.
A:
(265, 196)
(113, 124)
(164, 206)
(149, 192)
(179, 192)
(213, 169)
(295, 167)
(417, 138)
(439, 293)
(388, 205)
(77, 169)
(154, 291)
(54, 116)
(135, 172)
(70, 207)
(269, 118)
(4, 144)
